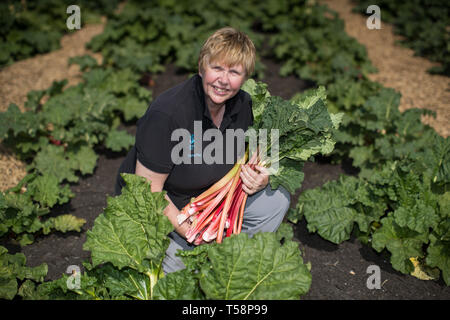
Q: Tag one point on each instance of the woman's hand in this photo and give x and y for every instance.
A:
(254, 180)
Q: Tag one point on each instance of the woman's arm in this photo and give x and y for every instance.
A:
(157, 184)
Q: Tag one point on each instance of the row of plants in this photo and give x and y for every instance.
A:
(59, 135)
(57, 138)
(399, 201)
(403, 206)
(146, 36)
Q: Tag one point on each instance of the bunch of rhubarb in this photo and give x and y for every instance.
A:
(218, 208)
(304, 128)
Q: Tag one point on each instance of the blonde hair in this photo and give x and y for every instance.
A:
(229, 46)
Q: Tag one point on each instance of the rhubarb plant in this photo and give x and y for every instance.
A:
(402, 207)
(56, 135)
(128, 244)
(23, 209)
(244, 268)
(15, 277)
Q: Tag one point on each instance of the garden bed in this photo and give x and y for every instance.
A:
(338, 271)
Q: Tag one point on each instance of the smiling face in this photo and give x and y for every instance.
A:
(221, 82)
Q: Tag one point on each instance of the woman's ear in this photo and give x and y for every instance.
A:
(199, 70)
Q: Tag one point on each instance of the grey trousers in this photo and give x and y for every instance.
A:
(264, 211)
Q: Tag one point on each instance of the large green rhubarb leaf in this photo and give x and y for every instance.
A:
(254, 268)
(132, 227)
(401, 242)
(128, 282)
(180, 285)
(333, 209)
(290, 175)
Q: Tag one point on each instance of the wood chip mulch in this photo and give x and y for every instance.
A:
(398, 68)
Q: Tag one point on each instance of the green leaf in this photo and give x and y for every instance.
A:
(85, 62)
(52, 160)
(419, 218)
(25, 239)
(8, 287)
(258, 91)
(83, 159)
(437, 159)
(254, 268)
(180, 285)
(304, 128)
(132, 227)
(119, 140)
(131, 107)
(20, 214)
(121, 81)
(335, 224)
(438, 255)
(127, 282)
(48, 192)
(402, 243)
(18, 122)
(332, 209)
(13, 267)
(91, 287)
(63, 223)
(285, 232)
(290, 175)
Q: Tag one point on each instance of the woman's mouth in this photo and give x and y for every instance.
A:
(220, 91)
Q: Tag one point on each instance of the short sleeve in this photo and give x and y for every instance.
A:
(153, 141)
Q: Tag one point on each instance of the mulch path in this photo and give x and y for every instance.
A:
(399, 68)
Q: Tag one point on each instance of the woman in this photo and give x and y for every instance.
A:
(214, 99)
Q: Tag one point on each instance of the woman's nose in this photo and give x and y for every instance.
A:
(223, 78)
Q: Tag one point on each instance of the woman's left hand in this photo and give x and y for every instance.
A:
(254, 180)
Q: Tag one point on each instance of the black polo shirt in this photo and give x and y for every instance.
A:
(179, 108)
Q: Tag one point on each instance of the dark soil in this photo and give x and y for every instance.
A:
(338, 271)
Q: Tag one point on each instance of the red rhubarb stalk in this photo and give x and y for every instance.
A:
(228, 200)
(202, 222)
(235, 212)
(221, 183)
(241, 214)
(212, 205)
